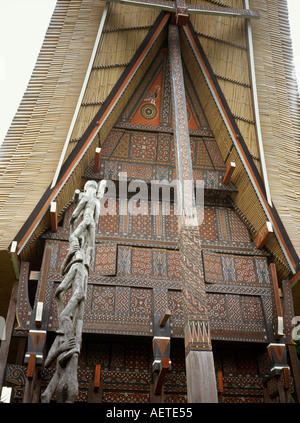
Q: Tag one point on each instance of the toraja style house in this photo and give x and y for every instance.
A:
(165, 301)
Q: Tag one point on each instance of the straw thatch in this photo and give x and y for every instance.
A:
(31, 151)
(279, 110)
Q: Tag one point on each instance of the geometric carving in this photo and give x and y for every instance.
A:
(141, 262)
(229, 269)
(141, 301)
(278, 355)
(103, 299)
(124, 260)
(213, 267)
(245, 272)
(234, 269)
(105, 259)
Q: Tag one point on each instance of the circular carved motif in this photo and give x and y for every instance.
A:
(148, 111)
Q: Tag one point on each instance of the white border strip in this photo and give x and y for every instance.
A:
(256, 108)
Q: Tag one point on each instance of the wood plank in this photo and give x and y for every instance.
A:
(229, 172)
(97, 377)
(15, 258)
(9, 325)
(97, 160)
(263, 235)
(53, 216)
(200, 367)
(164, 318)
(278, 305)
(31, 366)
(165, 364)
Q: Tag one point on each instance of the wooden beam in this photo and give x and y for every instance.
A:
(229, 172)
(278, 306)
(220, 380)
(220, 386)
(34, 275)
(97, 160)
(164, 318)
(278, 354)
(42, 288)
(76, 196)
(183, 158)
(182, 18)
(200, 366)
(15, 258)
(31, 366)
(97, 377)
(295, 368)
(263, 235)
(170, 6)
(9, 325)
(165, 365)
(39, 314)
(32, 388)
(288, 318)
(95, 391)
(198, 349)
(53, 216)
(229, 12)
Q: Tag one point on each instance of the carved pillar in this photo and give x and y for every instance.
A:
(67, 344)
(201, 379)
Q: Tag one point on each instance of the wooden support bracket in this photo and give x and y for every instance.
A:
(97, 160)
(97, 377)
(165, 365)
(277, 295)
(76, 196)
(220, 380)
(31, 366)
(53, 216)
(34, 275)
(164, 318)
(15, 259)
(39, 314)
(95, 391)
(181, 18)
(42, 288)
(263, 235)
(228, 173)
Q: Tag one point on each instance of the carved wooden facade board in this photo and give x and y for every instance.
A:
(137, 271)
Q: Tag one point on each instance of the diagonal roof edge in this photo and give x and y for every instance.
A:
(242, 149)
(93, 129)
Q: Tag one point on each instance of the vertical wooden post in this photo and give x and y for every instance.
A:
(228, 173)
(279, 329)
(42, 289)
(97, 160)
(32, 387)
(200, 370)
(288, 313)
(263, 235)
(53, 216)
(95, 392)
(9, 326)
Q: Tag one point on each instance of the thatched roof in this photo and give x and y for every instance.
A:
(32, 149)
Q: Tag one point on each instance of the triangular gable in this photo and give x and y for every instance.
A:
(150, 108)
(79, 154)
(141, 143)
(83, 147)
